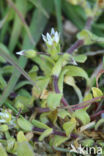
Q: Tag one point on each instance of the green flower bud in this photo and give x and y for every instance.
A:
(28, 53)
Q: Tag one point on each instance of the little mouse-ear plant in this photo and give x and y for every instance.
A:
(55, 116)
(57, 68)
(55, 124)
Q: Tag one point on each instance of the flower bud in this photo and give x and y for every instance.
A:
(28, 53)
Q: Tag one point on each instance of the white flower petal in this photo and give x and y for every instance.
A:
(56, 37)
(48, 37)
(52, 31)
(44, 38)
(20, 52)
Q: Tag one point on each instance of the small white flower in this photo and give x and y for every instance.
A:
(52, 31)
(20, 52)
(56, 37)
(52, 37)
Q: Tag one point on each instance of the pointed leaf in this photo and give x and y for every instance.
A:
(76, 71)
(58, 140)
(69, 126)
(63, 113)
(99, 123)
(2, 151)
(46, 133)
(53, 100)
(24, 148)
(82, 115)
(24, 124)
(21, 137)
(96, 92)
(39, 124)
(80, 58)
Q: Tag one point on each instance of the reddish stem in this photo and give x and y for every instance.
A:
(88, 23)
(96, 114)
(75, 46)
(41, 130)
(55, 84)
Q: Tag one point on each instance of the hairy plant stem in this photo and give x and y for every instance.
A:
(43, 53)
(42, 110)
(56, 88)
(54, 132)
(89, 23)
(75, 46)
(96, 114)
(41, 130)
(83, 104)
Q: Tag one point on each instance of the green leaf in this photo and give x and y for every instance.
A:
(11, 145)
(21, 5)
(33, 72)
(2, 151)
(2, 60)
(86, 36)
(24, 148)
(76, 71)
(80, 58)
(63, 113)
(24, 124)
(2, 82)
(86, 98)
(58, 4)
(22, 84)
(96, 92)
(6, 70)
(82, 115)
(4, 128)
(42, 84)
(89, 37)
(99, 123)
(69, 126)
(25, 101)
(58, 140)
(21, 137)
(61, 80)
(40, 7)
(53, 100)
(39, 124)
(46, 133)
(45, 65)
(87, 142)
(57, 67)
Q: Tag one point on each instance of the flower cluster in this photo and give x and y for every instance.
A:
(51, 38)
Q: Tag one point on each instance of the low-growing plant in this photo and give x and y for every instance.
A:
(55, 124)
